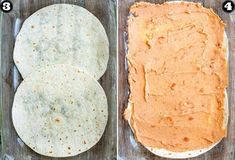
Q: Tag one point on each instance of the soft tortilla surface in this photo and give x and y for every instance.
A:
(62, 33)
(59, 111)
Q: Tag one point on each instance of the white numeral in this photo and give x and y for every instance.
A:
(6, 6)
(228, 5)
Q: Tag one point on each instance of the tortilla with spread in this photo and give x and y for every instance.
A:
(178, 76)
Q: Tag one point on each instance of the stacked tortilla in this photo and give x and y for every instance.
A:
(177, 63)
(60, 109)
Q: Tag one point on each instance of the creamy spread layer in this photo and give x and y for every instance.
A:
(177, 75)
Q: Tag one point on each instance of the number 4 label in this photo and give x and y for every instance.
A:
(6, 6)
(228, 6)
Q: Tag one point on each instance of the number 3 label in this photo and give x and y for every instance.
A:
(6, 6)
(228, 6)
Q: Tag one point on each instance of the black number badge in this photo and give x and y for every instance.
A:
(228, 6)
(6, 6)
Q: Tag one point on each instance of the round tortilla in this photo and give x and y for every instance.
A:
(189, 154)
(62, 33)
(59, 111)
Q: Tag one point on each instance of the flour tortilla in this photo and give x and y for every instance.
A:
(189, 154)
(59, 111)
(62, 33)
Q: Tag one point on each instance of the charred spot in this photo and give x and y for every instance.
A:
(57, 120)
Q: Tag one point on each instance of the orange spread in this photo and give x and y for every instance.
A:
(177, 75)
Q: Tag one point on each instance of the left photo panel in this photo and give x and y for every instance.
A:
(58, 79)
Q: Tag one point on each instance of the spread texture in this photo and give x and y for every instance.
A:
(177, 75)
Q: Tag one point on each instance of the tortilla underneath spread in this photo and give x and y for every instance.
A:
(177, 76)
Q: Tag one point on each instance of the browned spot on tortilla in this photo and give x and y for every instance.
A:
(57, 120)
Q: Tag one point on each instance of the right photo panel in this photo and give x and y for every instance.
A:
(176, 80)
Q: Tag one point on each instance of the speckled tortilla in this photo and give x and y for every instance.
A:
(62, 33)
(59, 111)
